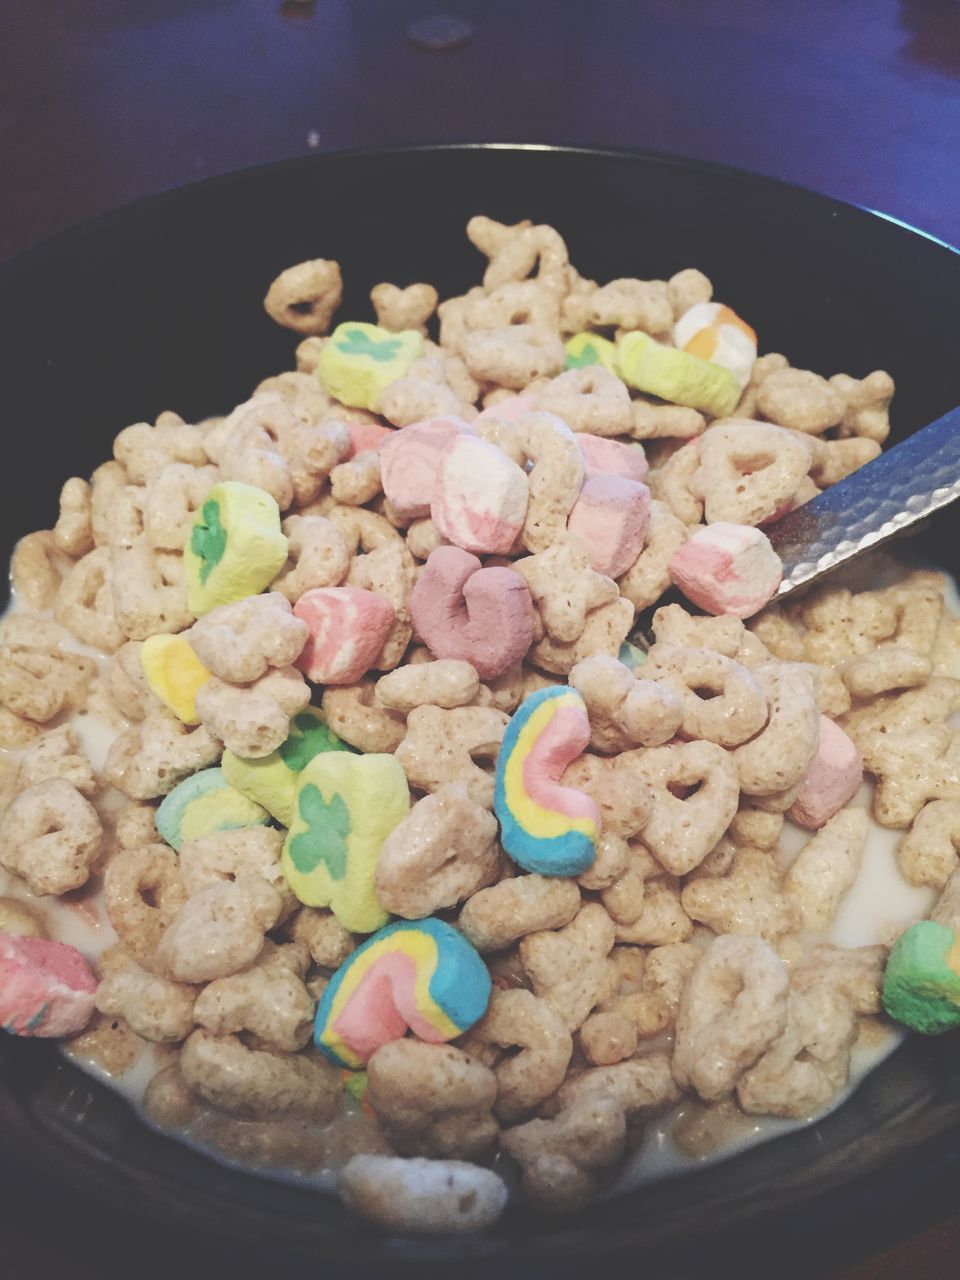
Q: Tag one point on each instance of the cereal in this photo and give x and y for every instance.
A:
(346, 629)
(46, 988)
(305, 297)
(480, 497)
(727, 568)
(625, 711)
(344, 808)
(269, 1000)
(443, 746)
(219, 930)
(496, 917)
(677, 376)
(748, 472)
(50, 836)
(927, 854)
(235, 547)
(570, 968)
(681, 832)
(153, 1007)
(517, 1019)
(240, 642)
(545, 827)
(611, 515)
(360, 361)
(257, 1083)
(921, 984)
(175, 674)
(564, 588)
(423, 976)
(832, 779)
(203, 803)
(418, 1195)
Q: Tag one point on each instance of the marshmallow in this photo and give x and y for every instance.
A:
(175, 674)
(832, 779)
(481, 616)
(611, 515)
(202, 804)
(480, 500)
(727, 569)
(348, 626)
(409, 462)
(677, 376)
(359, 361)
(714, 332)
(234, 548)
(921, 984)
(589, 348)
(46, 988)
(612, 458)
(345, 807)
(420, 975)
(365, 436)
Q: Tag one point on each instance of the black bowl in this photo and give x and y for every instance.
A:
(159, 306)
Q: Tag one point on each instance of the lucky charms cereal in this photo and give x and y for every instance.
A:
(372, 707)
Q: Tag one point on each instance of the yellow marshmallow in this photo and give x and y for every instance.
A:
(175, 674)
(359, 361)
(589, 348)
(235, 546)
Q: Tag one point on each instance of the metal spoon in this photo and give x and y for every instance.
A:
(884, 498)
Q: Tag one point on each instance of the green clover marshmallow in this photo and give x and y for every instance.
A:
(359, 361)
(234, 548)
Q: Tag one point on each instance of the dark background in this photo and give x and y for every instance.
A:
(105, 101)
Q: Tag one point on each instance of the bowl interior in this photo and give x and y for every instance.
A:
(159, 306)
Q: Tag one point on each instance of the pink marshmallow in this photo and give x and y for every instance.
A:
(480, 501)
(611, 515)
(367, 435)
(46, 988)
(481, 616)
(611, 458)
(348, 627)
(409, 461)
(832, 779)
(727, 569)
(509, 410)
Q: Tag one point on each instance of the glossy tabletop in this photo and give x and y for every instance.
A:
(105, 101)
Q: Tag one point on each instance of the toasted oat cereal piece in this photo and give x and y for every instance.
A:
(496, 917)
(733, 1009)
(801, 400)
(732, 707)
(779, 756)
(304, 297)
(643, 1086)
(570, 969)
(927, 854)
(239, 642)
(747, 900)
(149, 760)
(50, 836)
(681, 832)
(867, 412)
(258, 1084)
(562, 1158)
(253, 720)
(749, 471)
(153, 1007)
(662, 919)
(57, 755)
(354, 715)
(855, 972)
(219, 930)
(442, 747)
(422, 1196)
(917, 766)
(649, 575)
(625, 711)
(269, 1000)
(432, 1100)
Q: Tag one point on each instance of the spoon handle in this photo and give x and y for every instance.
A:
(900, 487)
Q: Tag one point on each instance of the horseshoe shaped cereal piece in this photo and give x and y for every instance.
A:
(419, 975)
(235, 546)
(46, 988)
(546, 828)
(345, 807)
(359, 361)
(481, 616)
(409, 462)
(480, 500)
(271, 781)
(677, 376)
(348, 626)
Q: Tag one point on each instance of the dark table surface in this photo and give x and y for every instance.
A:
(105, 101)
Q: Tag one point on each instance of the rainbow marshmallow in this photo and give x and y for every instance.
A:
(546, 828)
(420, 975)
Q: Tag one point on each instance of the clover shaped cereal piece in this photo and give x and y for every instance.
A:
(517, 1019)
(431, 1099)
(867, 401)
(733, 1008)
(305, 296)
(354, 715)
(346, 629)
(446, 682)
(927, 854)
(496, 917)
(255, 1083)
(345, 807)
(57, 755)
(920, 765)
(317, 556)
(269, 1000)
(625, 711)
(149, 591)
(564, 587)
(235, 547)
(154, 1008)
(589, 399)
(681, 832)
(801, 400)
(253, 720)
(442, 746)
(39, 685)
(562, 1159)
(361, 360)
(73, 532)
(513, 355)
(747, 900)
(50, 836)
(605, 631)
(143, 891)
(219, 930)
(749, 470)
(514, 251)
(570, 968)
(732, 707)
(150, 759)
(410, 461)
(649, 576)
(834, 460)
(398, 309)
(808, 1064)
(633, 304)
(415, 1196)
(84, 602)
(779, 756)
(443, 852)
